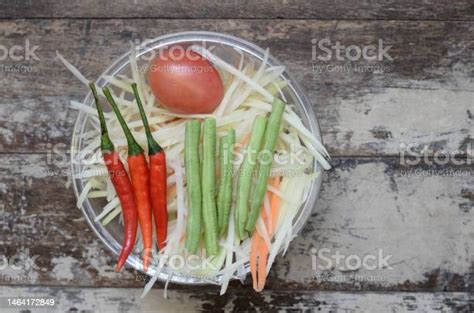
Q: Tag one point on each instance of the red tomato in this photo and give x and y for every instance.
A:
(184, 82)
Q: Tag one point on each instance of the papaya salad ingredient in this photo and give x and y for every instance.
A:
(209, 211)
(213, 209)
(265, 161)
(260, 248)
(245, 174)
(224, 196)
(215, 216)
(254, 209)
(121, 182)
(158, 176)
(140, 178)
(193, 178)
(185, 82)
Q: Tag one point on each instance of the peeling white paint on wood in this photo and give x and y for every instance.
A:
(128, 300)
(424, 221)
(435, 118)
(63, 267)
(361, 114)
(418, 220)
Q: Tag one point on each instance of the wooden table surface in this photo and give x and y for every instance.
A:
(421, 214)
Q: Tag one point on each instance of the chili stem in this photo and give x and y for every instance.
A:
(133, 147)
(106, 144)
(153, 146)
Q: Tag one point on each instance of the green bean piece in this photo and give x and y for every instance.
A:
(245, 175)
(193, 184)
(209, 212)
(222, 178)
(224, 196)
(265, 162)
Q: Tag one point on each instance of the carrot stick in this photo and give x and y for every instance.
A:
(262, 266)
(244, 141)
(274, 207)
(259, 251)
(171, 193)
(253, 258)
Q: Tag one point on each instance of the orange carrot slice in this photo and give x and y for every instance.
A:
(274, 207)
(262, 267)
(260, 250)
(244, 141)
(171, 192)
(254, 254)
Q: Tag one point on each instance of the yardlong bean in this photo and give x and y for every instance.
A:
(209, 212)
(224, 196)
(265, 164)
(245, 175)
(193, 184)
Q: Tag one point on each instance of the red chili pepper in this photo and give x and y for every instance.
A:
(140, 181)
(122, 185)
(158, 176)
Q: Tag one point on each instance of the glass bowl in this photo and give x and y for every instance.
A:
(111, 235)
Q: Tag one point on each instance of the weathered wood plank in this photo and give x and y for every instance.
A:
(424, 97)
(128, 300)
(421, 216)
(267, 9)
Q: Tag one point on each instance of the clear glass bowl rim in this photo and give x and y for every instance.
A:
(169, 39)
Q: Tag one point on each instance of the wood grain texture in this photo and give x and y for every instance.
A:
(421, 97)
(128, 300)
(267, 9)
(422, 216)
